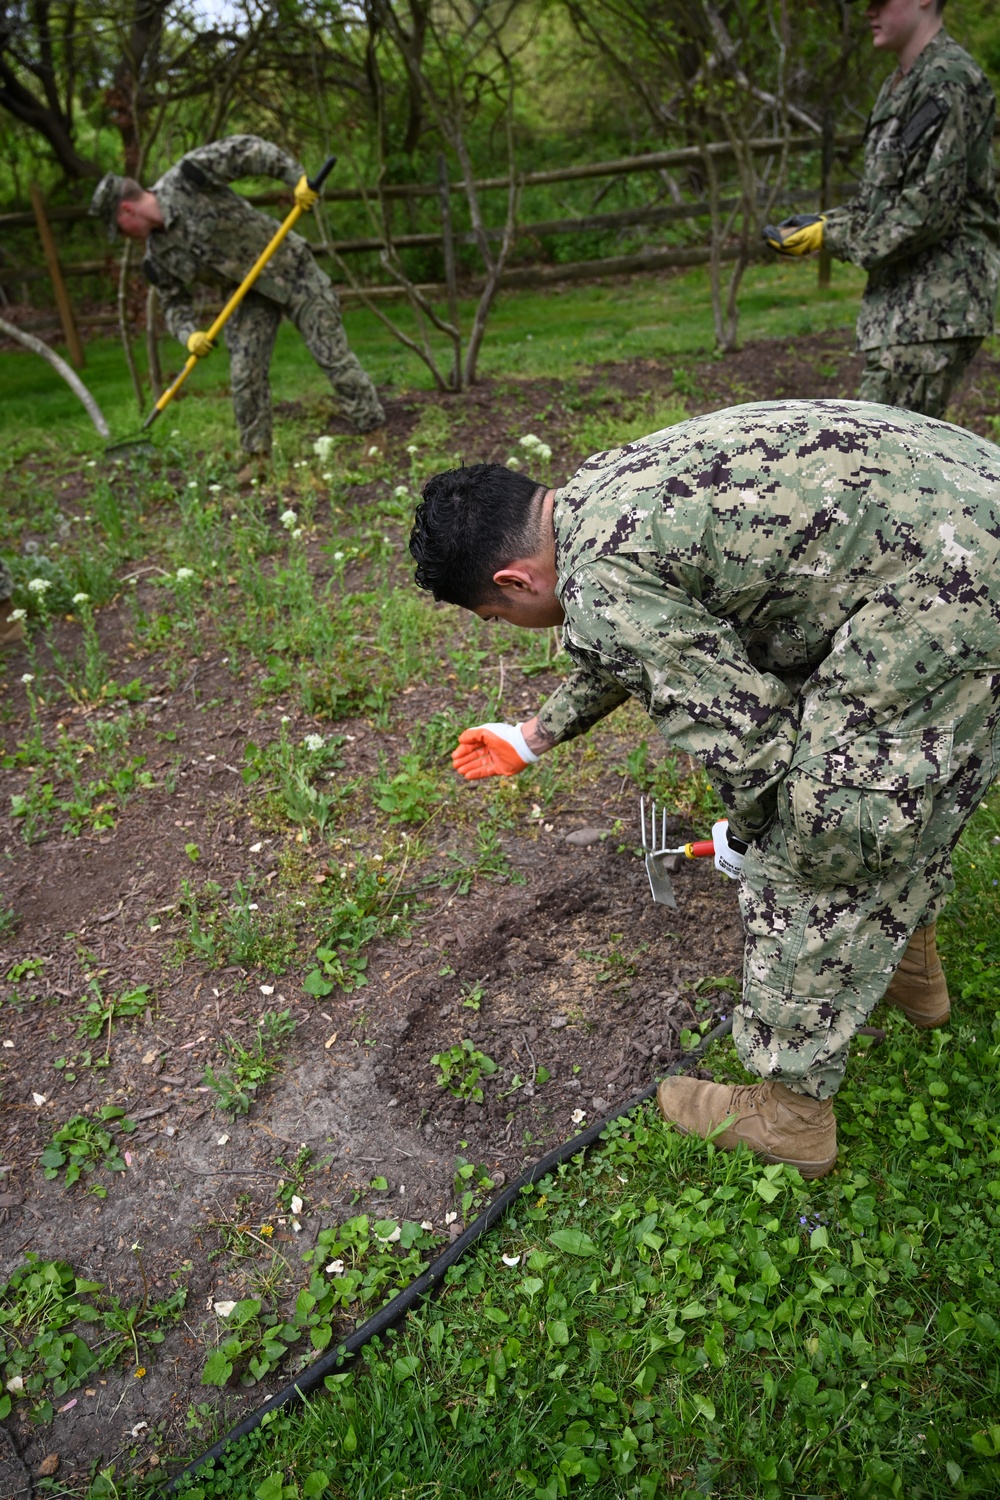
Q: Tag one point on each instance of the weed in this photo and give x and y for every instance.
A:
(40, 1351)
(236, 1085)
(82, 1145)
(411, 796)
(101, 1012)
(613, 967)
(460, 1069)
(294, 770)
(363, 904)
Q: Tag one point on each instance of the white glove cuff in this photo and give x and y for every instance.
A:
(521, 745)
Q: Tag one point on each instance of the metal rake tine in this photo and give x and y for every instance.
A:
(642, 816)
(663, 831)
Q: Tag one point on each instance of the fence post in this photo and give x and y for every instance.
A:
(55, 273)
(450, 274)
(826, 189)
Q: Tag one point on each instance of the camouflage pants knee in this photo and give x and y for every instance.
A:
(250, 335)
(313, 307)
(858, 858)
(918, 377)
(315, 310)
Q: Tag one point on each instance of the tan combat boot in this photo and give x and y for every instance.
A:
(11, 631)
(770, 1118)
(918, 988)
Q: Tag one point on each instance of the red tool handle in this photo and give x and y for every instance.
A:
(700, 849)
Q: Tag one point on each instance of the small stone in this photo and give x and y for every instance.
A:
(557, 1021)
(582, 838)
(48, 1466)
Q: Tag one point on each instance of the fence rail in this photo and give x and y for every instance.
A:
(622, 166)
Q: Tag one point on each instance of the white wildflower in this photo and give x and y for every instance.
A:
(215, 489)
(530, 441)
(91, 463)
(39, 586)
(543, 452)
(27, 677)
(81, 598)
(18, 614)
(513, 462)
(373, 451)
(411, 448)
(296, 533)
(314, 742)
(323, 448)
(192, 484)
(184, 575)
(288, 519)
(401, 492)
(338, 557)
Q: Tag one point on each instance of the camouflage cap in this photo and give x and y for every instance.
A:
(104, 203)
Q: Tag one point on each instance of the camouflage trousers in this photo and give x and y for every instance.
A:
(314, 308)
(858, 857)
(917, 377)
(6, 582)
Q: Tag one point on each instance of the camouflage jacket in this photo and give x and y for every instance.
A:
(925, 222)
(211, 236)
(713, 569)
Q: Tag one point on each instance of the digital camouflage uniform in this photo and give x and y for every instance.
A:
(6, 582)
(925, 226)
(211, 237)
(805, 596)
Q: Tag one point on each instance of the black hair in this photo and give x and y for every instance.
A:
(471, 522)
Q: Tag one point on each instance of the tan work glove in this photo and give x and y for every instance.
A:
(199, 344)
(304, 195)
(799, 235)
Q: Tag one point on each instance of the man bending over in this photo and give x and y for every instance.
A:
(805, 597)
(197, 231)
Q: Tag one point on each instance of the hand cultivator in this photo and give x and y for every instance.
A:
(661, 862)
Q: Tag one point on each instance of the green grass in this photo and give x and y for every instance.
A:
(531, 333)
(663, 1317)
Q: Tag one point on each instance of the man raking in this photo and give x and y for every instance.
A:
(805, 597)
(197, 231)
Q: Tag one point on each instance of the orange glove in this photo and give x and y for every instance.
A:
(491, 750)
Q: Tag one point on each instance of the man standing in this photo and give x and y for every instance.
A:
(925, 222)
(804, 596)
(197, 231)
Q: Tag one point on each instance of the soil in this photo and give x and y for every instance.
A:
(358, 1087)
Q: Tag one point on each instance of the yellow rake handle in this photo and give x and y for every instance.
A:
(245, 285)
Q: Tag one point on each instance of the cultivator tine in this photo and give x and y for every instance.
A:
(656, 855)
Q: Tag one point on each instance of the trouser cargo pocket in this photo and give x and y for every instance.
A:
(858, 812)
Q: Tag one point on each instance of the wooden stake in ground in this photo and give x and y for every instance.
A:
(55, 273)
(74, 382)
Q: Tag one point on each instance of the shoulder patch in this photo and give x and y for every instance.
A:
(926, 117)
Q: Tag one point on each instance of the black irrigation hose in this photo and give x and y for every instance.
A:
(400, 1305)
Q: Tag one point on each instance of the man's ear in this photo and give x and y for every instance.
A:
(516, 577)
